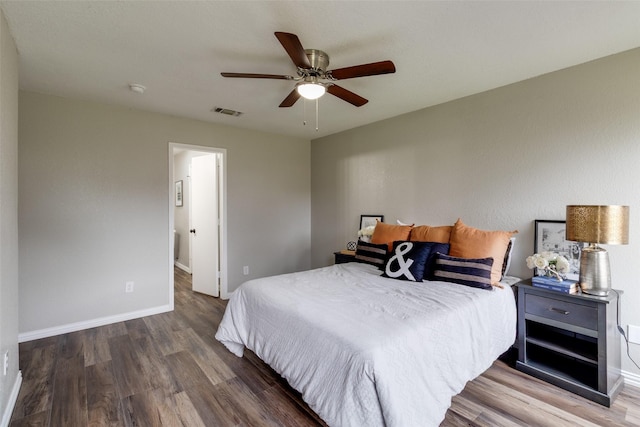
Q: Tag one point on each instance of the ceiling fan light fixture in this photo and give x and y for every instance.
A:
(311, 90)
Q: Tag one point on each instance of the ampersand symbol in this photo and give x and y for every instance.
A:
(401, 249)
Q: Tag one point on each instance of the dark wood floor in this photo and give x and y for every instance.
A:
(168, 370)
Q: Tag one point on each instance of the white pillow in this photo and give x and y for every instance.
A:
(507, 257)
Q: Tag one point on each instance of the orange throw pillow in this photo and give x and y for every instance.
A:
(469, 242)
(387, 233)
(426, 233)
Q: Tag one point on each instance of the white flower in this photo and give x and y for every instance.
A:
(541, 262)
(531, 262)
(367, 231)
(549, 256)
(562, 265)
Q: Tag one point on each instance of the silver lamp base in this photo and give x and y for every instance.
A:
(595, 274)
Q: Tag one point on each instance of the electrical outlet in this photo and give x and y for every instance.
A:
(633, 334)
(245, 270)
(128, 287)
(5, 364)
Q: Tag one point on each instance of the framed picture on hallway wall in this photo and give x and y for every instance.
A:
(179, 193)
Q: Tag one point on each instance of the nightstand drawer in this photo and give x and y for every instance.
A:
(562, 311)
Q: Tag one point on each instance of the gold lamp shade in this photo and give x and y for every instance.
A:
(597, 224)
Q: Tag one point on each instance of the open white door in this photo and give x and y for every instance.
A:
(205, 220)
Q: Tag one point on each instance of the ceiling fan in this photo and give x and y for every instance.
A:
(313, 77)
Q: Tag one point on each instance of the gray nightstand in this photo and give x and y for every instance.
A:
(571, 341)
(341, 257)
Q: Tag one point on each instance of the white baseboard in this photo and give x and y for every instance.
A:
(78, 326)
(182, 267)
(631, 378)
(13, 398)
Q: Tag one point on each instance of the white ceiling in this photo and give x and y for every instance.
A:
(442, 51)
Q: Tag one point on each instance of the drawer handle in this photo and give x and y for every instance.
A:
(557, 310)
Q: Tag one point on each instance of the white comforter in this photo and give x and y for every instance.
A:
(366, 350)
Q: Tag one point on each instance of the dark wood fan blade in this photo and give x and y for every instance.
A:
(292, 45)
(373, 69)
(257, 76)
(347, 95)
(290, 99)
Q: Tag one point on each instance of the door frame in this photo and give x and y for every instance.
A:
(222, 235)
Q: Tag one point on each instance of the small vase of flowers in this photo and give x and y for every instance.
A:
(365, 233)
(549, 264)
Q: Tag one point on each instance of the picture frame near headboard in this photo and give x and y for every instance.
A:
(550, 236)
(369, 220)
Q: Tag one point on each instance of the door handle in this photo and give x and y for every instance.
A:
(193, 230)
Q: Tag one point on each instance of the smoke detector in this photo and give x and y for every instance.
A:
(137, 88)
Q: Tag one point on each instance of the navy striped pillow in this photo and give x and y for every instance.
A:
(371, 253)
(464, 271)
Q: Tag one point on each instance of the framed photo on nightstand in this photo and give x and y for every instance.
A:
(550, 236)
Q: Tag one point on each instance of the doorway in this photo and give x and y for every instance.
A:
(197, 237)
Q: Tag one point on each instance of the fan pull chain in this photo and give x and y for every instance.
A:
(304, 112)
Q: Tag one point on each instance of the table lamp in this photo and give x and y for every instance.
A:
(594, 225)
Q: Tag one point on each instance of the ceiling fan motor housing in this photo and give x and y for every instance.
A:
(319, 61)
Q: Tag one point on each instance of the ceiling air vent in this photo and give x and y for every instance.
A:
(227, 111)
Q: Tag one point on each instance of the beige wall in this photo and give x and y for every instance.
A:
(8, 219)
(94, 207)
(498, 160)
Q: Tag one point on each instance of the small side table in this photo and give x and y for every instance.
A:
(570, 341)
(344, 256)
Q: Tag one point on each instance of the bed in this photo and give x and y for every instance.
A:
(366, 350)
